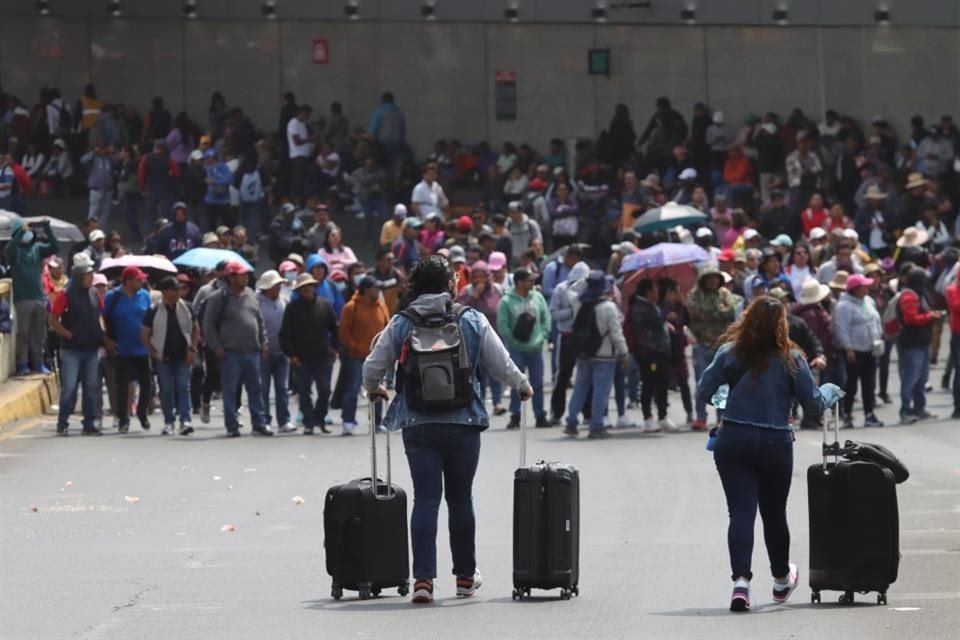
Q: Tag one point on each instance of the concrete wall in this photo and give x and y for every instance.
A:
(443, 73)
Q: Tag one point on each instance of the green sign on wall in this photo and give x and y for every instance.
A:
(598, 62)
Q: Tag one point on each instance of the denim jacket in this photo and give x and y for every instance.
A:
(763, 401)
(484, 348)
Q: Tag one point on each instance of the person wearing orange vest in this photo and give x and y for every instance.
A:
(90, 107)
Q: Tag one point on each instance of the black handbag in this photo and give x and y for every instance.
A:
(523, 329)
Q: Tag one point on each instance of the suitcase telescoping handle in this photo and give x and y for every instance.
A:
(523, 434)
(832, 449)
(388, 494)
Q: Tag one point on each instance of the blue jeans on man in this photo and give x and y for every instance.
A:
(914, 368)
(238, 368)
(352, 372)
(374, 213)
(308, 375)
(276, 368)
(443, 462)
(78, 366)
(174, 376)
(531, 363)
(595, 375)
(702, 357)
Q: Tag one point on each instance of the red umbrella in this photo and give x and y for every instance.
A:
(684, 274)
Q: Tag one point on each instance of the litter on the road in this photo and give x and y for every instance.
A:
(68, 484)
(34, 508)
(131, 499)
(228, 528)
(249, 470)
(297, 500)
(217, 478)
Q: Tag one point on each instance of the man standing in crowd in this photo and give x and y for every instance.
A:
(523, 322)
(100, 165)
(275, 368)
(75, 318)
(124, 308)
(651, 339)
(171, 334)
(310, 338)
(443, 450)
(522, 231)
(235, 333)
(301, 143)
(25, 253)
(913, 346)
(387, 279)
(562, 312)
(157, 175)
(389, 127)
(179, 236)
(364, 316)
(712, 308)
(407, 248)
(600, 348)
(428, 196)
(217, 199)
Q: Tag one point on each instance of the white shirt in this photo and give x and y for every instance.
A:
(299, 129)
(333, 157)
(429, 197)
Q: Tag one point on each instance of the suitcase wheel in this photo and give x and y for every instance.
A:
(376, 592)
(815, 597)
(403, 589)
(365, 593)
(846, 598)
(336, 591)
(565, 594)
(520, 592)
(881, 598)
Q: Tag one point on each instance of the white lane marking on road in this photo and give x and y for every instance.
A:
(935, 595)
(904, 609)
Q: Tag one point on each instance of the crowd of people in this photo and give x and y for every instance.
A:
(851, 228)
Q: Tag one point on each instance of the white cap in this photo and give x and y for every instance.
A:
(704, 232)
(852, 234)
(818, 232)
(400, 210)
(718, 117)
(95, 235)
(688, 174)
(750, 234)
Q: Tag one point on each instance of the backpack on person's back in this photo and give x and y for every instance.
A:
(892, 323)
(586, 332)
(434, 371)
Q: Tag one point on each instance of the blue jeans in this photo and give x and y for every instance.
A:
(374, 213)
(155, 202)
(309, 374)
(101, 201)
(442, 455)
(702, 357)
(598, 376)
(174, 379)
(487, 381)
(241, 368)
(131, 206)
(914, 367)
(532, 364)
(277, 368)
(78, 366)
(626, 383)
(352, 372)
(755, 466)
(250, 213)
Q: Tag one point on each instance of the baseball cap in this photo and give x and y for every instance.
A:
(235, 268)
(704, 232)
(287, 265)
(95, 235)
(688, 174)
(858, 280)
(412, 223)
(782, 240)
(178, 205)
(210, 238)
(400, 211)
(750, 234)
(625, 247)
(223, 230)
(497, 261)
(464, 224)
(727, 255)
(288, 207)
(457, 254)
(515, 205)
(132, 273)
(537, 184)
(100, 279)
(817, 233)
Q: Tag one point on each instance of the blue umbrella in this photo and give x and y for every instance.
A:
(205, 258)
(664, 254)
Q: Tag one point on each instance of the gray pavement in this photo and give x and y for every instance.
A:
(90, 563)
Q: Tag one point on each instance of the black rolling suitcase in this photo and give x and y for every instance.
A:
(854, 524)
(546, 525)
(365, 532)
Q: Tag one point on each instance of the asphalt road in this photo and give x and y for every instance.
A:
(126, 541)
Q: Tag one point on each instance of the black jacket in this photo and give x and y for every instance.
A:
(804, 337)
(650, 334)
(309, 330)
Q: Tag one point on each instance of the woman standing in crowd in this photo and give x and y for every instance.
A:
(754, 444)
(857, 334)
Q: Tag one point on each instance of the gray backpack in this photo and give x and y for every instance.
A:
(434, 371)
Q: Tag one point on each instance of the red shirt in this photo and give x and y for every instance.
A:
(60, 303)
(953, 306)
(910, 310)
(813, 218)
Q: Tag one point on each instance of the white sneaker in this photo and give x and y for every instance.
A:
(607, 422)
(624, 422)
(381, 428)
(466, 587)
(741, 600)
(782, 590)
(650, 426)
(167, 430)
(286, 428)
(349, 428)
(669, 425)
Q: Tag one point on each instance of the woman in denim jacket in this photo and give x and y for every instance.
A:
(753, 453)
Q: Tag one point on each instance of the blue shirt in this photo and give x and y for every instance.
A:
(124, 319)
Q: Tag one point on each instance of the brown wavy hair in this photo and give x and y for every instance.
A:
(760, 331)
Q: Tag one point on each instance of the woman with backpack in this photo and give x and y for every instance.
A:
(441, 429)
(753, 448)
